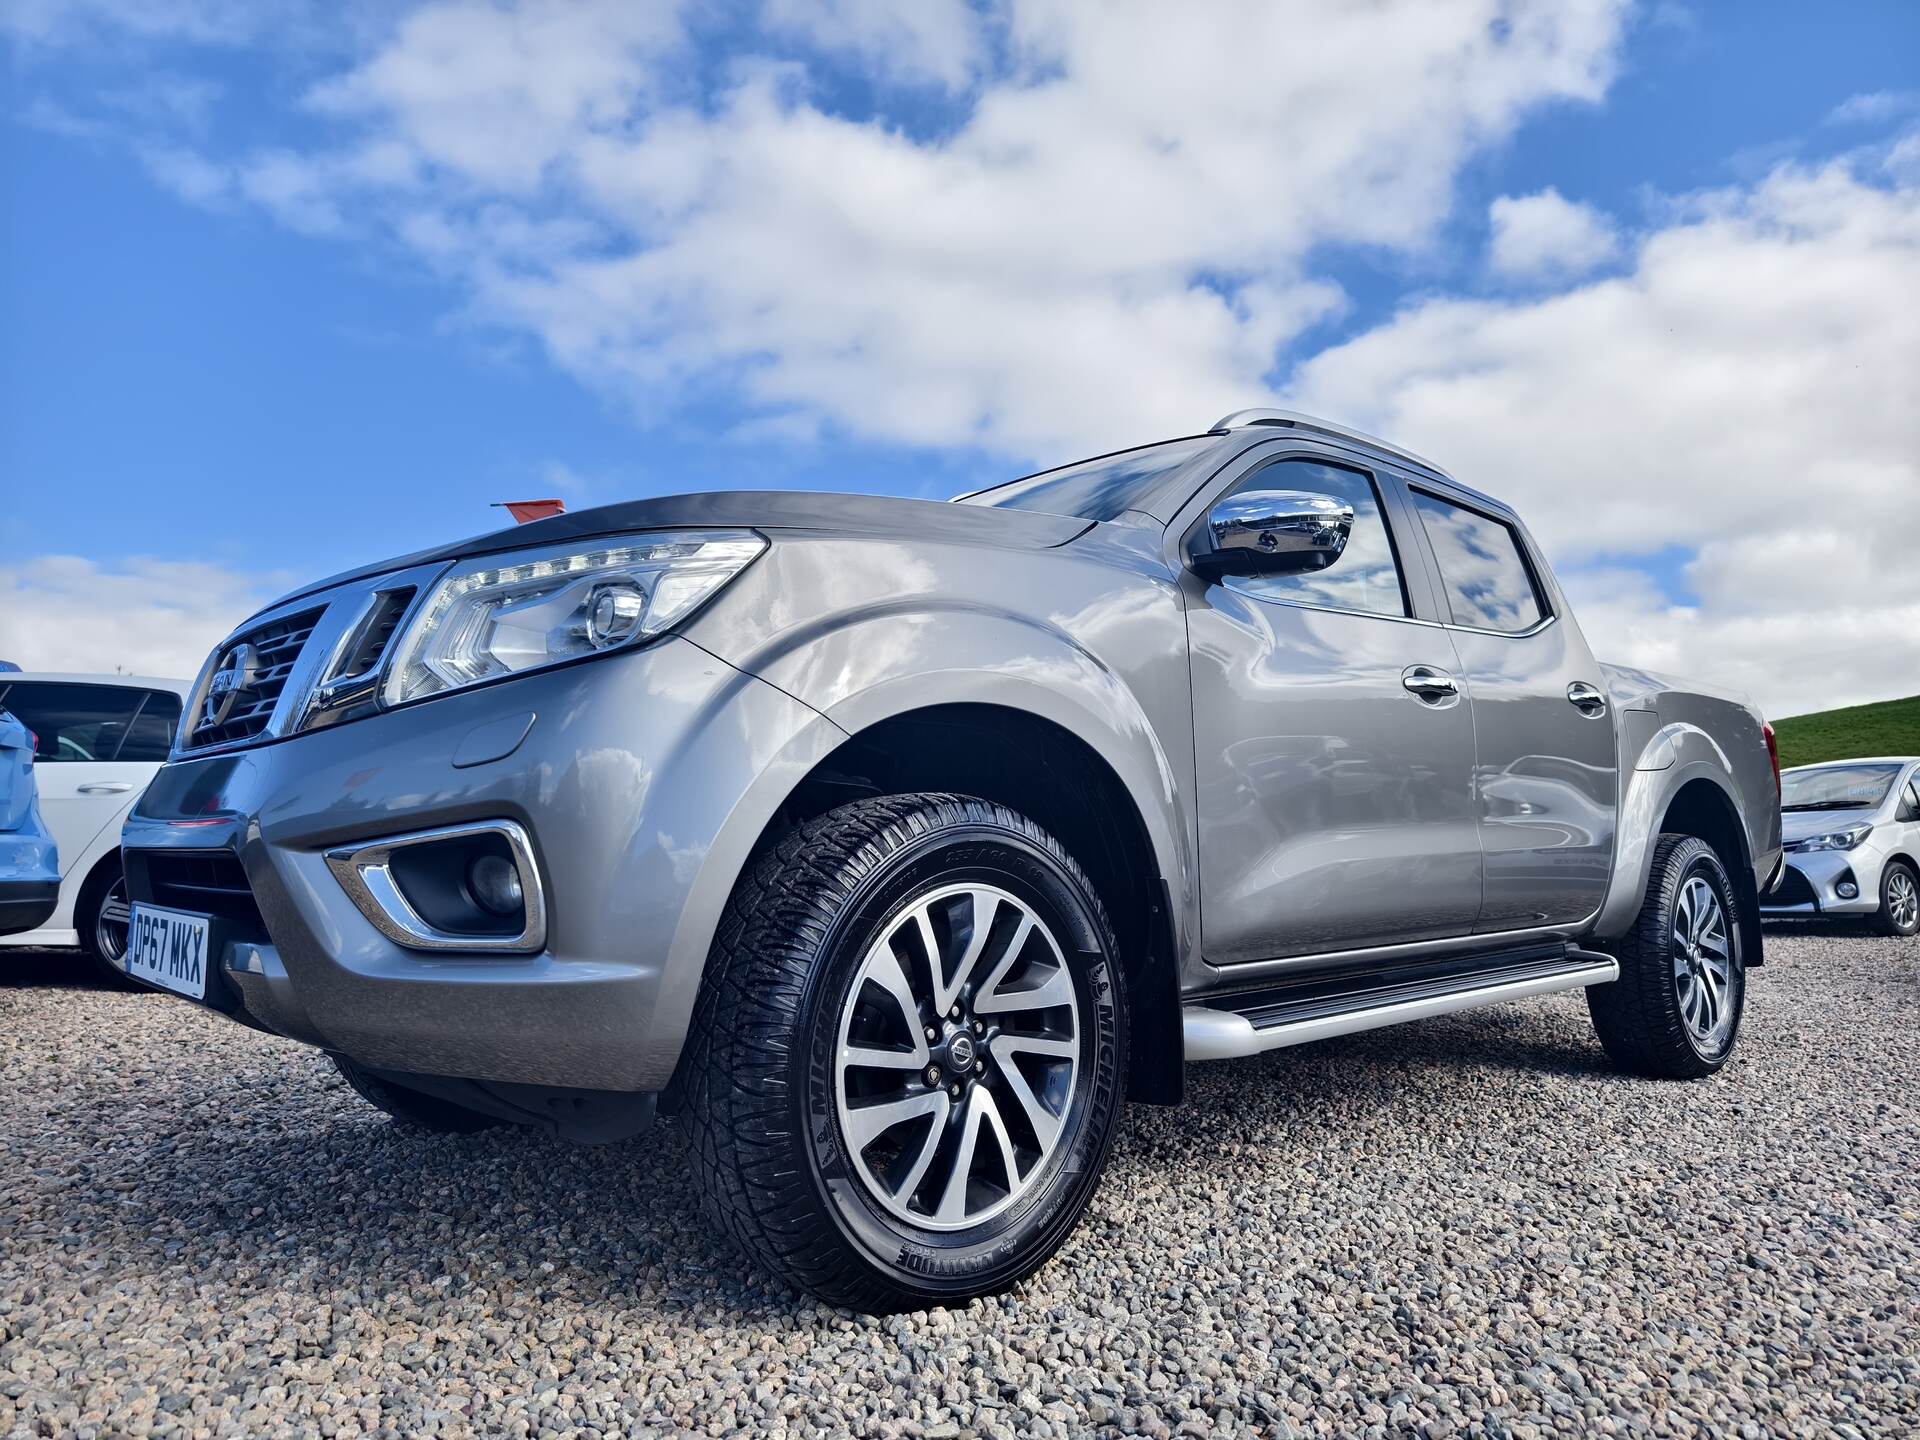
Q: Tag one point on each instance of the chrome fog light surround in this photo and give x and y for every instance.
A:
(365, 872)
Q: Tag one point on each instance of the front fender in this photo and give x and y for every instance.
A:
(864, 632)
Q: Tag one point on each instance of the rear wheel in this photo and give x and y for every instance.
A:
(412, 1108)
(1675, 1010)
(903, 1077)
(1899, 912)
(101, 919)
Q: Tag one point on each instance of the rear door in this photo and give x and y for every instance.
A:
(1335, 799)
(97, 746)
(1546, 766)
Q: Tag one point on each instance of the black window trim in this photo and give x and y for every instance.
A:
(1237, 475)
(1541, 596)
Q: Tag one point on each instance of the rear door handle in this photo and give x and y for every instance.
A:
(106, 787)
(1433, 686)
(1586, 699)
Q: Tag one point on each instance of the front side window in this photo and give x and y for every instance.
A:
(76, 722)
(1489, 585)
(1366, 577)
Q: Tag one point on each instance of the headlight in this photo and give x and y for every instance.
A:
(501, 614)
(1835, 840)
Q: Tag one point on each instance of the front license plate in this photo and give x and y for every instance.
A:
(168, 948)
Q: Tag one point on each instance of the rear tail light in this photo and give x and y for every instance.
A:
(1773, 758)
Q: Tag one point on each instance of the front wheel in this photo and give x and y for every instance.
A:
(1899, 912)
(101, 918)
(1675, 1011)
(904, 1073)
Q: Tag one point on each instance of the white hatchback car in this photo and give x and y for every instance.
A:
(1852, 835)
(99, 740)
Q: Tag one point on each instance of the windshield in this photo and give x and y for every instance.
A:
(1097, 489)
(1837, 787)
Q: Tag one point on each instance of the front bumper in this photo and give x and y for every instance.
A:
(1809, 886)
(643, 781)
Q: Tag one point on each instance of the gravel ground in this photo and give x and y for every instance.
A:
(1467, 1226)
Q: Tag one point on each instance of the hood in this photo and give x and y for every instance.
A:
(935, 521)
(1799, 824)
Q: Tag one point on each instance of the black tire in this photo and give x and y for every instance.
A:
(106, 884)
(1639, 1017)
(768, 1151)
(1883, 918)
(412, 1108)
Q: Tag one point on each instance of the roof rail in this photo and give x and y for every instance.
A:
(1293, 419)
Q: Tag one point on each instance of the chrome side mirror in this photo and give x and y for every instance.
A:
(1273, 532)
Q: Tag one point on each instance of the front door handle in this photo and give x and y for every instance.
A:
(106, 787)
(1586, 699)
(1436, 687)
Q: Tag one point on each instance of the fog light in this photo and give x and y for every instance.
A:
(494, 884)
(1846, 889)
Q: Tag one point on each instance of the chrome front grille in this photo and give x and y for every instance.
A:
(248, 679)
(310, 662)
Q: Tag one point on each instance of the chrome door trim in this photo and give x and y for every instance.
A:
(1245, 971)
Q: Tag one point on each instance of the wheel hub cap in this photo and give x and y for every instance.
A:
(958, 1055)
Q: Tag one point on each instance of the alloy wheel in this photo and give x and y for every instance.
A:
(958, 1057)
(1903, 900)
(111, 923)
(1703, 964)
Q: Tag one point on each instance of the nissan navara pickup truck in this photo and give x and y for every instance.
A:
(891, 844)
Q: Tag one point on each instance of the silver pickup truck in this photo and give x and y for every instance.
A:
(892, 844)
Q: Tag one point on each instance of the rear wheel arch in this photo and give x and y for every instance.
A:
(1705, 810)
(1044, 771)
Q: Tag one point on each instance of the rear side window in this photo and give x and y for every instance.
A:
(1365, 577)
(1488, 581)
(1098, 489)
(93, 722)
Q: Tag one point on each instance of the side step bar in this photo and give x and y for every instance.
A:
(1233, 1026)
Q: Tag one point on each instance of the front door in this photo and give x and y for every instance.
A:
(1546, 763)
(1334, 770)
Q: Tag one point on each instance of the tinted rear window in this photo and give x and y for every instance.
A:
(1489, 585)
(94, 722)
(1098, 489)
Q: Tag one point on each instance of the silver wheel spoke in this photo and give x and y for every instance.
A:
(1056, 989)
(117, 912)
(1046, 1124)
(981, 1113)
(867, 1123)
(985, 906)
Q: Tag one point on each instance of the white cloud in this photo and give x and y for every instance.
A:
(1875, 107)
(929, 41)
(147, 617)
(1081, 260)
(1747, 389)
(1547, 236)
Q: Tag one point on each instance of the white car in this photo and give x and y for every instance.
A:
(1852, 835)
(99, 740)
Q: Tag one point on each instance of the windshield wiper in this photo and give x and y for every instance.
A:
(1832, 805)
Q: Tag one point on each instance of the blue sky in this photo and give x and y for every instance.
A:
(212, 358)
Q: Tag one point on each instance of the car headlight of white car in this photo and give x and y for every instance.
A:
(497, 615)
(1833, 840)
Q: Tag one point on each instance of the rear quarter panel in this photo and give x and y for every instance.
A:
(1670, 734)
